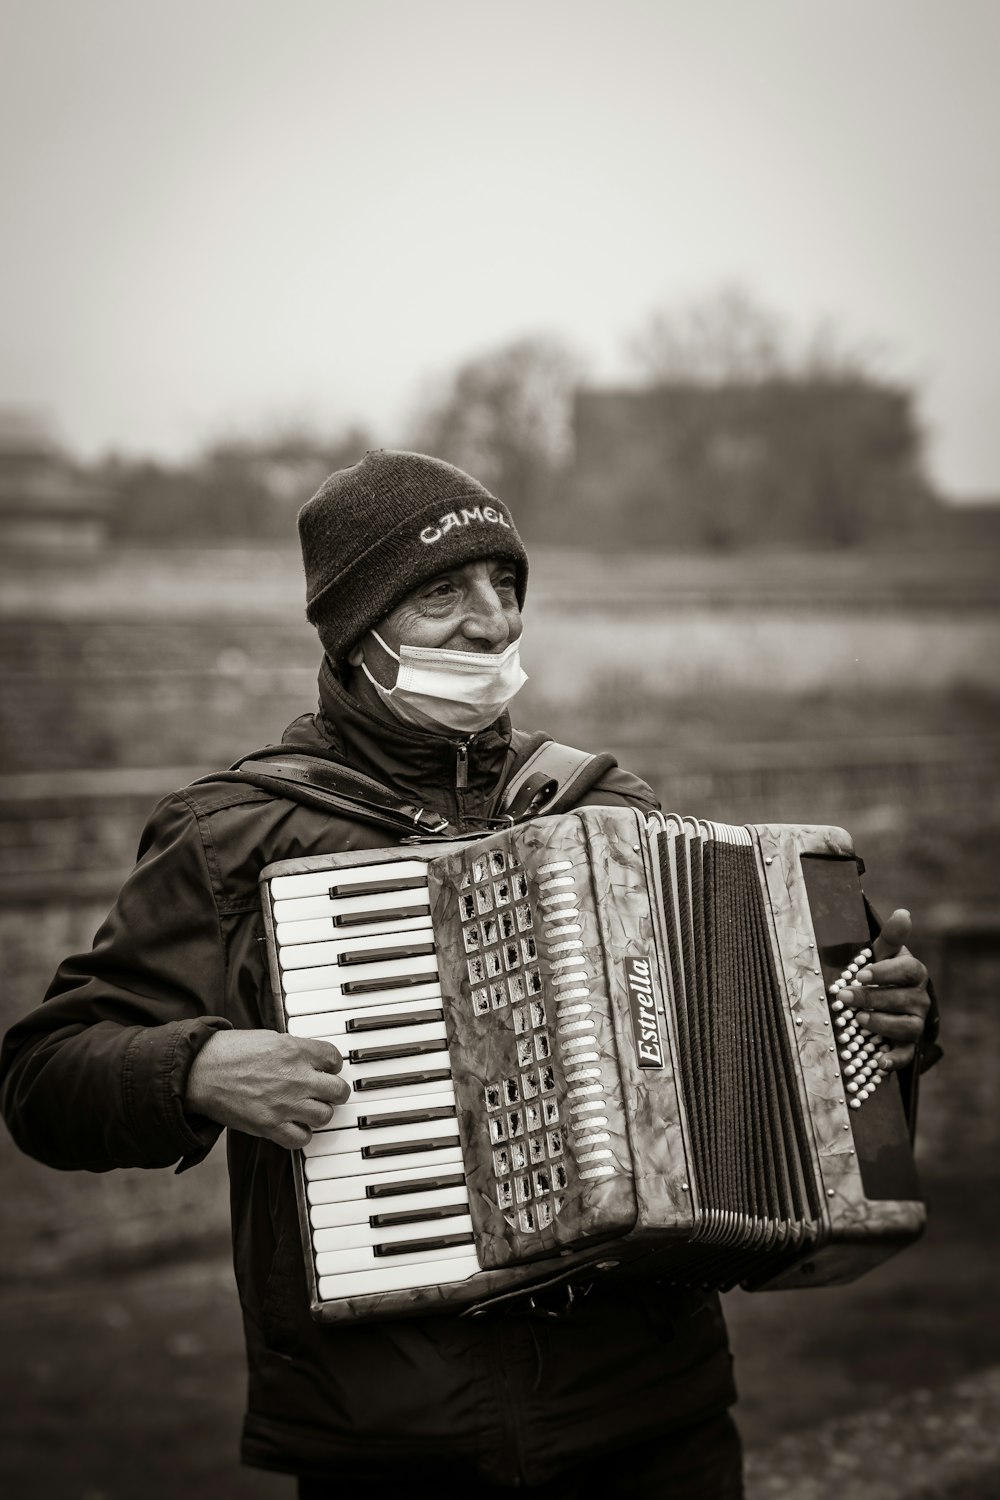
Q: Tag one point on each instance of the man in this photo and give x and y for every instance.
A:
(151, 1044)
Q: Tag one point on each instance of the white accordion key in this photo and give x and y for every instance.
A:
(404, 879)
(363, 1257)
(362, 1042)
(374, 1080)
(323, 955)
(391, 1180)
(320, 989)
(357, 1025)
(370, 1237)
(323, 929)
(355, 951)
(346, 1116)
(352, 1164)
(384, 1140)
(333, 1023)
(361, 1210)
(358, 912)
(393, 1277)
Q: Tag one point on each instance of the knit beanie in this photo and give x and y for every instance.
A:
(373, 532)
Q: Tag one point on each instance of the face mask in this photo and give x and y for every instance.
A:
(459, 690)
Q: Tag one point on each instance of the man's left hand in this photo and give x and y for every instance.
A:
(890, 993)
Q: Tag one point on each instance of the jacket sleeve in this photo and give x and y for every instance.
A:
(618, 788)
(95, 1077)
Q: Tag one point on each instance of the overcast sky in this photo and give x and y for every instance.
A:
(224, 213)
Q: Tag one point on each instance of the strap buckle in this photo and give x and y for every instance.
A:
(429, 822)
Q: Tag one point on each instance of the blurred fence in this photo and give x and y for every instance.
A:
(70, 835)
(147, 692)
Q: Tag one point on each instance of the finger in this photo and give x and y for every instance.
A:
(896, 1058)
(903, 971)
(894, 934)
(290, 1135)
(324, 1056)
(315, 1114)
(330, 1088)
(895, 1028)
(897, 1002)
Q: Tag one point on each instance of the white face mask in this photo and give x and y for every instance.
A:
(459, 690)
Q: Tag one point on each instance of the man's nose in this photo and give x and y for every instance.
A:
(485, 620)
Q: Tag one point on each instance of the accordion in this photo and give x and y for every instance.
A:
(594, 1043)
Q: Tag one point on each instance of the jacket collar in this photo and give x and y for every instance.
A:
(413, 760)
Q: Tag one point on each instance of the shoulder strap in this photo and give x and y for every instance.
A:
(332, 787)
(551, 780)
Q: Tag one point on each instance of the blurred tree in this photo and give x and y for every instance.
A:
(723, 338)
(505, 417)
(729, 338)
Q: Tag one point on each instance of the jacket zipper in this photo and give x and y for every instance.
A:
(508, 1414)
(462, 766)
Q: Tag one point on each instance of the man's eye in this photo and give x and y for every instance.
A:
(505, 581)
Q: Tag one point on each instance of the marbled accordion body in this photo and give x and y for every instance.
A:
(595, 1042)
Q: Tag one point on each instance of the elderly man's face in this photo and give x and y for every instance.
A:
(469, 608)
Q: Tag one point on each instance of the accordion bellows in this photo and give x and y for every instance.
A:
(594, 1043)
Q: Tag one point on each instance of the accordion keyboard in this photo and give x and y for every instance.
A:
(387, 1195)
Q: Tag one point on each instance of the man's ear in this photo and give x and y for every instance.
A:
(355, 656)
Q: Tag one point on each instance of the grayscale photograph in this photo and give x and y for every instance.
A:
(499, 749)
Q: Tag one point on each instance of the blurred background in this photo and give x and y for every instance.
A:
(708, 294)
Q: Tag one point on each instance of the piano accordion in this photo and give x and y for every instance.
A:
(593, 1043)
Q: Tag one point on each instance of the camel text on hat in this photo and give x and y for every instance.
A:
(445, 523)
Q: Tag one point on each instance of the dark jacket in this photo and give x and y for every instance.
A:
(96, 1077)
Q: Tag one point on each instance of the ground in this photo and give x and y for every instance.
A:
(127, 1386)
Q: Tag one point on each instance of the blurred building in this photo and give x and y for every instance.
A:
(46, 505)
(778, 462)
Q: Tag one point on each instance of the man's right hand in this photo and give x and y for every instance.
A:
(267, 1083)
